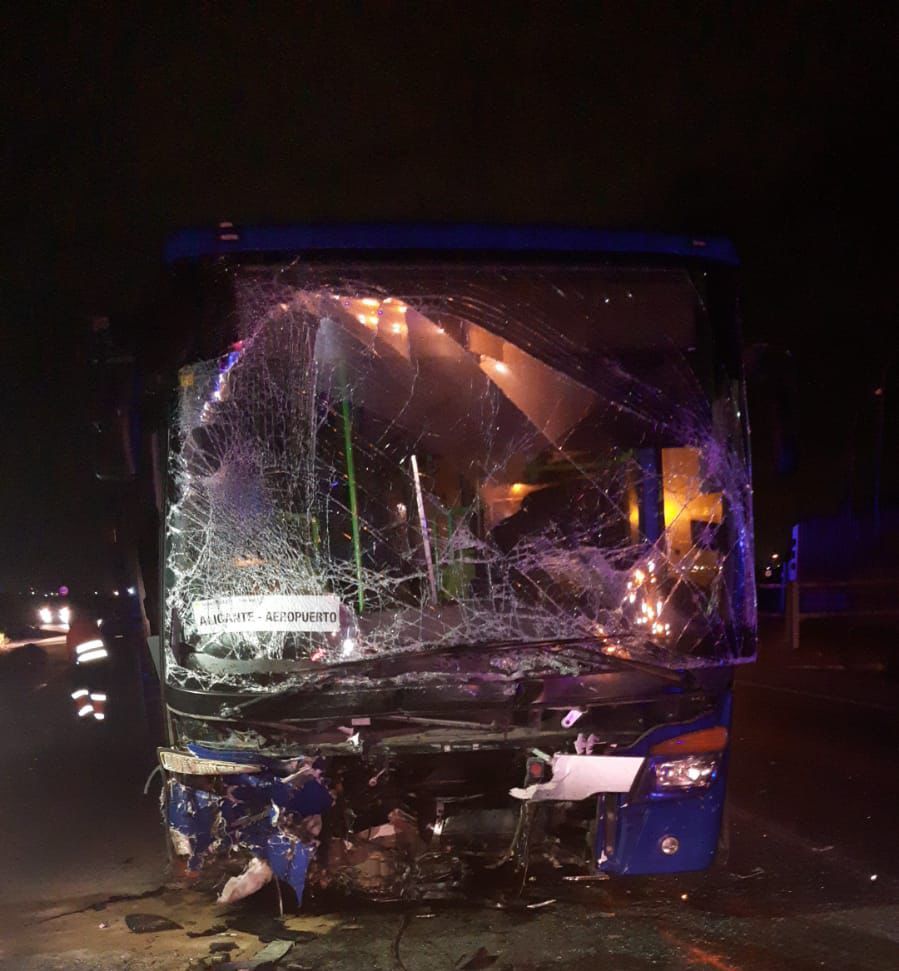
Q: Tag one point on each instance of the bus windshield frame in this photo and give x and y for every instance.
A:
(388, 458)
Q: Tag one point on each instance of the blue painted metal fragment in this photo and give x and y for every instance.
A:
(248, 813)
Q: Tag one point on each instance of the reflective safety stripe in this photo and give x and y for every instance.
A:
(80, 693)
(92, 656)
(98, 697)
(99, 716)
(86, 710)
(88, 645)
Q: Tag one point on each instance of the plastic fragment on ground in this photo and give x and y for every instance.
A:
(257, 874)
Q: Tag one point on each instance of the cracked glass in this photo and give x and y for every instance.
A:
(396, 459)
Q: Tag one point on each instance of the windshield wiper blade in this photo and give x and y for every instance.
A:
(673, 676)
(439, 722)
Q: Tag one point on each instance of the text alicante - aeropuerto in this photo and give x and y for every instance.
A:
(310, 613)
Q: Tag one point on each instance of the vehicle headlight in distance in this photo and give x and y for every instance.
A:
(46, 615)
(65, 615)
(687, 772)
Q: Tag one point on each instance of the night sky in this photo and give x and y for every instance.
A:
(122, 123)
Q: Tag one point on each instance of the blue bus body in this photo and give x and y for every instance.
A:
(608, 689)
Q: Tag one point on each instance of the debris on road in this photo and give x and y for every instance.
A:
(540, 904)
(208, 961)
(210, 931)
(753, 873)
(270, 954)
(150, 924)
(218, 947)
(257, 874)
(480, 959)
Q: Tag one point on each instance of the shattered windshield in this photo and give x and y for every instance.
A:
(395, 459)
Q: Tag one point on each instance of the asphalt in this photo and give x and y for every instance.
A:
(812, 880)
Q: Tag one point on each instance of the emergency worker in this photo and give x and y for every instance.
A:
(89, 662)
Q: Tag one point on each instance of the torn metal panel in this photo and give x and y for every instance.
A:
(577, 777)
(185, 764)
(275, 820)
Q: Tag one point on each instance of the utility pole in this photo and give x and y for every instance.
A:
(879, 418)
(792, 598)
(880, 405)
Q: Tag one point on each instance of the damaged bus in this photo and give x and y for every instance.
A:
(456, 555)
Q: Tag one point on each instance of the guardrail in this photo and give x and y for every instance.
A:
(796, 601)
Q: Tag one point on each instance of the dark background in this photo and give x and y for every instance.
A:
(770, 125)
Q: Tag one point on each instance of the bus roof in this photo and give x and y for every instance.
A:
(368, 238)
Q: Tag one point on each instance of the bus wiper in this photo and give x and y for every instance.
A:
(673, 676)
(400, 716)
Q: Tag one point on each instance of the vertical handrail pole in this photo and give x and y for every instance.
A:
(425, 537)
(351, 483)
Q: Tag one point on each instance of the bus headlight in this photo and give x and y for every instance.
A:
(687, 772)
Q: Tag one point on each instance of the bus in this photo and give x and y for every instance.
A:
(456, 554)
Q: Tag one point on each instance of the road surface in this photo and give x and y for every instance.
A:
(812, 882)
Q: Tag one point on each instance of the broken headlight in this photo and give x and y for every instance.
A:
(687, 772)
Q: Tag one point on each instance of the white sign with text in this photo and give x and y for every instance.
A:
(236, 615)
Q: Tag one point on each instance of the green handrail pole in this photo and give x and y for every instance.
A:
(351, 482)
